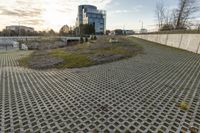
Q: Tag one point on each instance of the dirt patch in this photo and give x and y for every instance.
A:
(44, 62)
(106, 57)
(41, 60)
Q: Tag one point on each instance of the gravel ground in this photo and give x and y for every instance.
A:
(137, 95)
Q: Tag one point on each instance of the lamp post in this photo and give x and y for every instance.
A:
(141, 21)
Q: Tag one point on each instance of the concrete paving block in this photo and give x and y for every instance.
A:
(140, 94)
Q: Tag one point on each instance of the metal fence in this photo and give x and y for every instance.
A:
(7, 44)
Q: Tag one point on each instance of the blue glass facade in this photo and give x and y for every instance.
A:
(88, 14)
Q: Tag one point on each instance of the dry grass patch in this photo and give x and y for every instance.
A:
(83, 55)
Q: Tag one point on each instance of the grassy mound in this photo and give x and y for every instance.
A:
(82, 55)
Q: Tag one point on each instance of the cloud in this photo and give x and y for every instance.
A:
(32, 21)
(44, 13)
(136, 9)
(116, 3)
(8, 12)
(20, 12)
(119, 11)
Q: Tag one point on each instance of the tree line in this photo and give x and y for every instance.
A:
(179, 18)
(82, 30)
(22, 32)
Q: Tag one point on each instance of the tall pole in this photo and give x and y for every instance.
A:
(141, 21)
(19, 25)
(142, 25)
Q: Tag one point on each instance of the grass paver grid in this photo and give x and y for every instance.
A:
(139, 94)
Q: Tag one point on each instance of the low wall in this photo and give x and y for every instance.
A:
(12, 41)
(189, 42)
(24, 38)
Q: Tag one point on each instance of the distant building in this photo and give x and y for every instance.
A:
(88, 14)
(129, 32)
(143, 30)
(17, 28)
(122, 32)
(117, 32)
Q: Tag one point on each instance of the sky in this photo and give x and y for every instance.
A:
(53, 14)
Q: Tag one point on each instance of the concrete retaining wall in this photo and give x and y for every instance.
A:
(190, 42)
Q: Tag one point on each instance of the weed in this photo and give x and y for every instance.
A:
(183, 105)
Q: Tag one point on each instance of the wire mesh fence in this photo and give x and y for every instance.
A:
(8, 44)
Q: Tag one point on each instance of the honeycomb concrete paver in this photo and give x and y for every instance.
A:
(136, 95)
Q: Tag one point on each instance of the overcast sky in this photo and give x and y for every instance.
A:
(47, 14)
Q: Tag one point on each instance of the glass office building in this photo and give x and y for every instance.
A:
(88, 14)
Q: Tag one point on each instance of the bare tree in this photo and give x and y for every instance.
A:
(185, 12)
(160, 13)
(198, 28)
(173, 18)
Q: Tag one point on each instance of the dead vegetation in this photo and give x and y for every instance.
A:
(82, 55)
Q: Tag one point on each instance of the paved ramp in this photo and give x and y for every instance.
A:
(137, 95)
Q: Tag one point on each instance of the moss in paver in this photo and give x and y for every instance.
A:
(127, 131)
(194, 130)
(117, 131)
(23, 61)
(95, 131)
(160, 131)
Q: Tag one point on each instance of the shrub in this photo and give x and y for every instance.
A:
(92, 37)
(81, 40)
(86, 39)
(184, 105)
(167, 27)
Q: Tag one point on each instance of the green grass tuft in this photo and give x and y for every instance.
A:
(71, 60)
